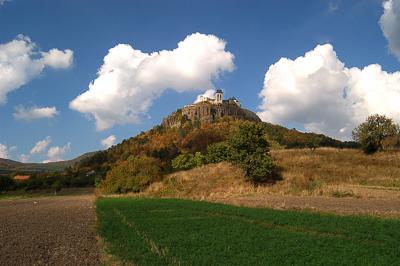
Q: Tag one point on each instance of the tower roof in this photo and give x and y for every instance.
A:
(219, 91)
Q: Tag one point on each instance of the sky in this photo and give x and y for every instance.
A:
(79, 76)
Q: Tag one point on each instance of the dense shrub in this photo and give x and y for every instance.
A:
(132, 175)
(186, 161)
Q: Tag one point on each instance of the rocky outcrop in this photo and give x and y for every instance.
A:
(207, 112)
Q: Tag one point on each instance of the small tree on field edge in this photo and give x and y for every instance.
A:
(374, 131)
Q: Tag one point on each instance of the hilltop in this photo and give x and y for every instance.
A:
(206, 112)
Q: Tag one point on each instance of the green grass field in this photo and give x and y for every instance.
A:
(183, 232)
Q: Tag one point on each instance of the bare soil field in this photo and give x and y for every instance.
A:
(56, 230)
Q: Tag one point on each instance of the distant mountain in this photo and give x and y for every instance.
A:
(7, 166)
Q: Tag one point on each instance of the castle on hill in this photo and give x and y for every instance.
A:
(219, 99)
(208, 109)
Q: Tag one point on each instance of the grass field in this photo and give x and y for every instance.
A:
(182, 232)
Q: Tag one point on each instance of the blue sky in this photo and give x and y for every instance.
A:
(257, 34)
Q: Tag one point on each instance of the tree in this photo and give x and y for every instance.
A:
(249, 138)
(374, 131)
(250, 151)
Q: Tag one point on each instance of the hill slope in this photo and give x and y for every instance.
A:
(7, 165)
(165, 142)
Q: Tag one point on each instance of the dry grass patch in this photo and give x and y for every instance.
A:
(208, 181)
(304, 169)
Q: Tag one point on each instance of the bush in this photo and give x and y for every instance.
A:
(186, 161)
(133, 175)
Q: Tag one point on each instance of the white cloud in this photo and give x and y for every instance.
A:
(129, 80)
(58, 59)
(24, 158)
(109, 141)
(3, 151)
(208, 94)
(55, 154)
(390, 25)
(41, 145)
(30, 113)
(319, 92)
(20, 62)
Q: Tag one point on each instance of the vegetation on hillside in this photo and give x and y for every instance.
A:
(194, 143)
(181, 232)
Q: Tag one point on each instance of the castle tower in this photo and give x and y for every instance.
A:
(219, 96)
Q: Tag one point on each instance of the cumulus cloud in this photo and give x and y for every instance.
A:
(21, 61)
(41, 145)
(31, 113)
(208, 94)
(109, 141)
(58, 59)
(129, 80)
(3, 151)
(56, 153)
(390, 25)
(319, 92)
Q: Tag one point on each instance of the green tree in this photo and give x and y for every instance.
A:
(249, 138)
(250, 150)
(373, 132)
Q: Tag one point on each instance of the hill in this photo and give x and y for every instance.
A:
(7, 166)
(187, 134)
